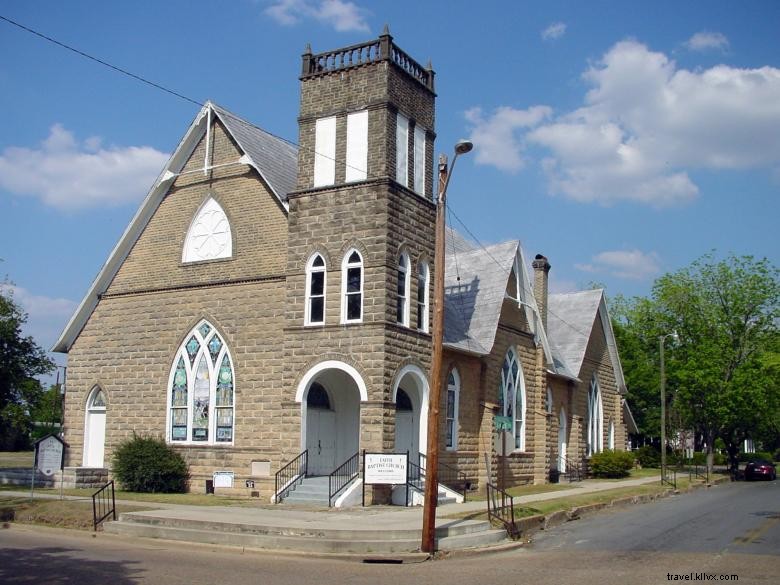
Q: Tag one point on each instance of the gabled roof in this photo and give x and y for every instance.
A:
(274, 160)
(570, 321)
(476, 281)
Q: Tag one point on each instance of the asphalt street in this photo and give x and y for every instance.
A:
(730, 530)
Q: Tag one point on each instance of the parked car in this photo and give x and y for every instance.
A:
(760, 469)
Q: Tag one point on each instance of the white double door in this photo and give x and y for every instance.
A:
(321, 440)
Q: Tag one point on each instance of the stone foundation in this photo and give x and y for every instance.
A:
(83, 477)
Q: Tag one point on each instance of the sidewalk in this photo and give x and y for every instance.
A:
(371, 530)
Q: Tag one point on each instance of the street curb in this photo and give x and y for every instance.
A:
(531, 524)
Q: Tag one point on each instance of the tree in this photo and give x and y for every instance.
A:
(21, 359)
(722, 375)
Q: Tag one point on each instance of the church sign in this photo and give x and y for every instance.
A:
(49, 455)
(385, 468)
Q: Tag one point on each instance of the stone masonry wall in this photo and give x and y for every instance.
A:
(128, 345)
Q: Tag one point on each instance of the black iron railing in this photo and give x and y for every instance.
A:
(501, 509)
(450, 477)
(290, 474)
(103, 504)
(415, 478)
(669, 477)
(572, 471)
(342, 475)
(699, 472)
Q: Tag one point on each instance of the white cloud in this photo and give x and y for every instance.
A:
(342, 16)
(495, 137)
(705, 41)
(645, 125)
(46, 316)
(630, 264)
(67, 175)
(555, 31)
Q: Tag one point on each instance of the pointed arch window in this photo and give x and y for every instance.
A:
(315, 290)
(402, 304)
(511, 396)
(423, 277)
(352, 287)
(209, 236)
(453, 398)
(595, 418)
(201, 395)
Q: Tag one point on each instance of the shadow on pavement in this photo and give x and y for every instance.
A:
(62, 566)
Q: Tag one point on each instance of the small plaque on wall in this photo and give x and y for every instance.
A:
(223, 479)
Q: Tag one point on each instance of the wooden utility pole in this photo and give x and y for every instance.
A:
(432, 454)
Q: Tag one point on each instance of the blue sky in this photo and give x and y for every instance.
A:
(622, 140)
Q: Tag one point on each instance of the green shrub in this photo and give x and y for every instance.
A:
(648, 456)
(757, 456)
(777, 455)
(149, 465)
(699, 458)
(610, 463)
(718, 459)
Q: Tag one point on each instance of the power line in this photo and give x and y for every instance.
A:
(201, 104)
(104, 63)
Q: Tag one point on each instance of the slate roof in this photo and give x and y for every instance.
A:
(275, 159)
(474, 285)
(570, 321)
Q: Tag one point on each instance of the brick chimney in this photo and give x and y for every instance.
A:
(541, 270)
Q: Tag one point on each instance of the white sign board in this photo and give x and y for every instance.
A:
(223, 479)
(386, 468)
(48, 455)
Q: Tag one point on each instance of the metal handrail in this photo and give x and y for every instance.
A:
(573, 471)
(501, 508)
(101, 509)
(291, 473)
(665, 477)
(342, 475)
(450, 477)
(698, 471)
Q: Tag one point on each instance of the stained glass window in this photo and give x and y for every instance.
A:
(201, 392)
(511, 397)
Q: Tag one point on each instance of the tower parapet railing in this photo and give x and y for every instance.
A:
(381, 49)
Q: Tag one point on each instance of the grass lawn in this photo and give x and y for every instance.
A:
(59, 513)
(570, 502)
(183, 499)
(10, 459)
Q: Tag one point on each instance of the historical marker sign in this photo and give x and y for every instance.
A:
(49, 454)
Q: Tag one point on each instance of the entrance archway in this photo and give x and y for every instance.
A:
(410, 394)
(330, 395)
(95, 429)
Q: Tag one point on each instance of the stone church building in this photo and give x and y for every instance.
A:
(270, 299)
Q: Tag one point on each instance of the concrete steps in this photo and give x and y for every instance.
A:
(454, 535)
(312, 491)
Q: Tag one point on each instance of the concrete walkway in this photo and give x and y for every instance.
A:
(383, 518)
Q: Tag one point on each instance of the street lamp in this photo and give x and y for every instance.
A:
(661, 339)
(434, 398)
